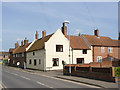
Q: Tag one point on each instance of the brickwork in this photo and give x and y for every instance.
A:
(105, 55)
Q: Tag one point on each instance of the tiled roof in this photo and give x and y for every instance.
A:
(39, 44)
(101, 41)
(21, 49)
(77, 42)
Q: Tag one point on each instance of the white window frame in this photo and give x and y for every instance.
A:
(102, 49)
(99, 58)
(110, 49)
(111, 58)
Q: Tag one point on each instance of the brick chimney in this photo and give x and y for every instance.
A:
(64, 29)
(96, 32)
(22, 43)
(16, 44)
(43, 34)
(26, 41)
(36, 35)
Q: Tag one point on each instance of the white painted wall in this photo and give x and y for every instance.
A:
(39, 54)
(50, 46)
(79, 54)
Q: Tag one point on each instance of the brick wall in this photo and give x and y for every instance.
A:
(106, 73)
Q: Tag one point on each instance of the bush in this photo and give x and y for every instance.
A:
(117, 71)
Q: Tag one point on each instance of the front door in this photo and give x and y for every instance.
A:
(80, 60)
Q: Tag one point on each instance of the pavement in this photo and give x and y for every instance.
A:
(59, 74)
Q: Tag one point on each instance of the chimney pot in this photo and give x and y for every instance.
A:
(64, 29)
(36, 35)
(16, 44)
(22, 43)
(43, 33)
(26, 41)
(96, 32)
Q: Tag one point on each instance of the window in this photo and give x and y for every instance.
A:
(13, 62)
(22, 54)
(80, 60)
(13, 55)
(111, 58)
(99, 59)
(35, 63)
(16, 55)
(84, 51)
(39, 61)
(30, 61)
(110, 49)
(102, 49)
(55, 61)
(33, 53)
(59, 48)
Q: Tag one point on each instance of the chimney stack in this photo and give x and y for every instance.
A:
(43, 34)
(36, 35)
(22, 43)
(26, 41)
(16, 44)
(96, 32)
(64, 29)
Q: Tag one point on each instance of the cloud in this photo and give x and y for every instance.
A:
(19, 39)
(77, 31)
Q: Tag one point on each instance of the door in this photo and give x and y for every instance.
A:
(80, 60)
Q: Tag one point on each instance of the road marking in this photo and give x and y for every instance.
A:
(69, 81)
(44, 85)
(25, 78)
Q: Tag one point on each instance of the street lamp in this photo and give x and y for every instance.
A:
(69, 46)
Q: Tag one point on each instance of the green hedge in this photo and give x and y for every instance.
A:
(117, 71)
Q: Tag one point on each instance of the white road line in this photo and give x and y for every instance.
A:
(70, 81)
(44, 84)
(25, 78)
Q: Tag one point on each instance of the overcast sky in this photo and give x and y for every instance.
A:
(20, 20)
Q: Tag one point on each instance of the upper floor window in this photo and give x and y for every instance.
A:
(22, 54)
(59, 48)
(110, 49)
(13, 55)
(16, 55)
(99, 59)
(84, 51)
(102, 49)
(33, 53)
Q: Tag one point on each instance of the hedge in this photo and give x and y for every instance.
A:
(117, 71)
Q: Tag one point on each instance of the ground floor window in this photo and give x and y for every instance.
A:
(30, 61)
(35, 62)
(80, 60)
(39, 61)
(99, 59)
(111, 58)
(55, 61)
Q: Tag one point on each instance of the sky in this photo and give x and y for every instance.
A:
(22, 19)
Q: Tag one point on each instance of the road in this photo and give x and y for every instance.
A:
(12, 78)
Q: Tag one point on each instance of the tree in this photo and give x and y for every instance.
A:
(119, 36)
(78, 34)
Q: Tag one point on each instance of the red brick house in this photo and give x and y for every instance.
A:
(103, 48)
(18, 54)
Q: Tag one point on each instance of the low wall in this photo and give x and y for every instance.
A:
(105, 73)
